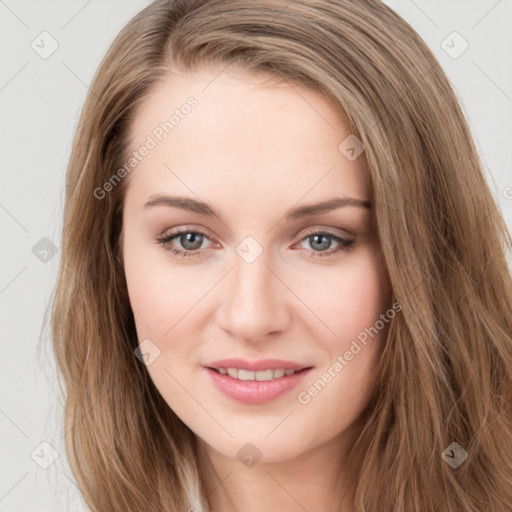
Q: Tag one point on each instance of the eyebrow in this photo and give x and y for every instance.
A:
(202, 208)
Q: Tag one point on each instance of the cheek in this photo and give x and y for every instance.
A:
(355, 306)
(363, 296)
(159, 294)
(347, 299)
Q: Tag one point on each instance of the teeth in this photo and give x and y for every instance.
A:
(262, 375)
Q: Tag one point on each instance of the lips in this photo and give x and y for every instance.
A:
(255, 382)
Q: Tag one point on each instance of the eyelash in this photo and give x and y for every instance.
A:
(345, 244)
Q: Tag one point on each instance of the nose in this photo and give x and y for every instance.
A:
(255, 302)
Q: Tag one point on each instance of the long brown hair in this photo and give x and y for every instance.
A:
(446, 371)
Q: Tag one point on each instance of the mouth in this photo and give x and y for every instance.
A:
(255, 382)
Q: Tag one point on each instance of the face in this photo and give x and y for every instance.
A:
(249, 302)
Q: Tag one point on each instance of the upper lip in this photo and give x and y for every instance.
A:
(263, 364)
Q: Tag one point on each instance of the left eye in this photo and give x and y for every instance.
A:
(321, 242)
(191, 242)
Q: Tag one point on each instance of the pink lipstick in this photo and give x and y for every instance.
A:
(255, 382)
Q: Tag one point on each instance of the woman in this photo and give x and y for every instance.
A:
(283, 283)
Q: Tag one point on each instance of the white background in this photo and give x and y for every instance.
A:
(40, 101)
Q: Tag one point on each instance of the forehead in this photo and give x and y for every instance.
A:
(246, 134)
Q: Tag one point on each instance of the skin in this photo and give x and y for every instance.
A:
(252, 149)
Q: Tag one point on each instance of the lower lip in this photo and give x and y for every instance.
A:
(253, 391)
